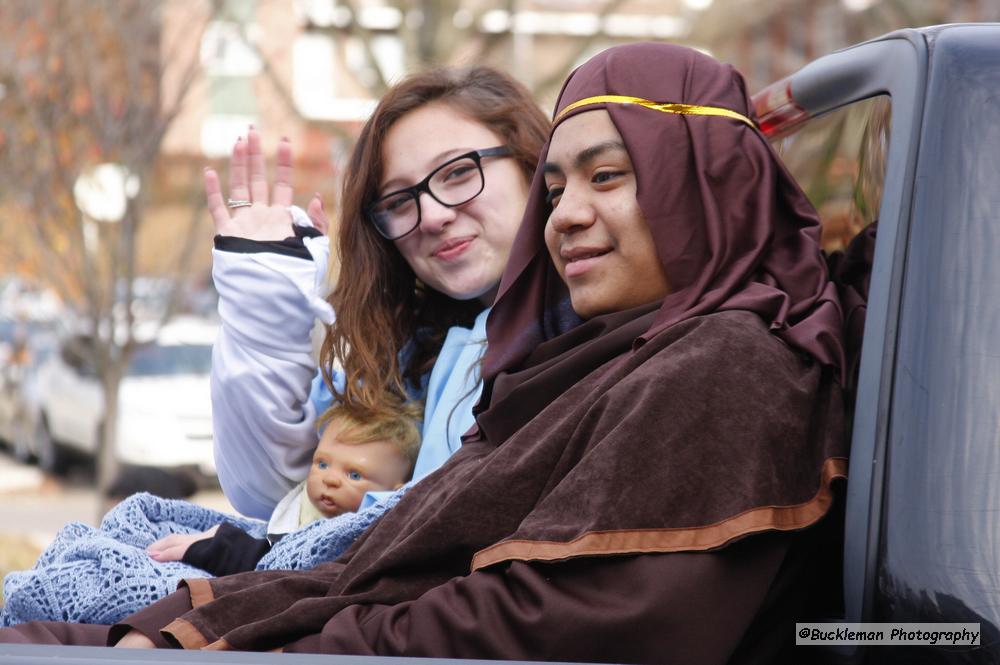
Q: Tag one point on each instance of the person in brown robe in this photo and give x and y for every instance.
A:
(660, 429)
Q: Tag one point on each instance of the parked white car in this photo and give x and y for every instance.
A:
(165, 406)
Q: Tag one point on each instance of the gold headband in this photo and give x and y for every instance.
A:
(663, 107)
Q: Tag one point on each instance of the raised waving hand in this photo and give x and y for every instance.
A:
(254, 209)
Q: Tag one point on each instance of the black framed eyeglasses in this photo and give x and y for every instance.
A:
(457, 181)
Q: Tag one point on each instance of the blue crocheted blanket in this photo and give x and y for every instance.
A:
(102, 575)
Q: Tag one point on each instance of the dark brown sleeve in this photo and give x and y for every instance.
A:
(54, 632)
(652, 608)
(152, 618)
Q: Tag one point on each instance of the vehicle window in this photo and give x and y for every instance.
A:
(161, 360)
(839, 161)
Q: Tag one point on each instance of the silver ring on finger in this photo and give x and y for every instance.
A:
(238, 203)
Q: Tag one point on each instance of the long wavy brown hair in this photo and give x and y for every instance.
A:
(381, 305)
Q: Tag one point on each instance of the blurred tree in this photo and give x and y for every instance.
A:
(447, 32)
(769, 39)
(839, 159)
(451, 32)
(82, 117)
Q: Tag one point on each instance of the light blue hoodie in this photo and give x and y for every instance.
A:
(452, 390)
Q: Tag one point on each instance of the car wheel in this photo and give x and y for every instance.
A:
(50, 457)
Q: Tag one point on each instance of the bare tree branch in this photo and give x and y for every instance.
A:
(197, 206)
(82, 87)
(580, 49)
(490, 40)
(364, 36)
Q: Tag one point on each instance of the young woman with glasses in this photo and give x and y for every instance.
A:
(432, 199)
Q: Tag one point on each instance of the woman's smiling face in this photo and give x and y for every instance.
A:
(596, 233)
(459, 251)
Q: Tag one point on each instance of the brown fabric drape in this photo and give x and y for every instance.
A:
(712, 432)
(732, 228)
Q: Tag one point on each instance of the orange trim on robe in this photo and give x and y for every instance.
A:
(201, 592)
(652, 541)
(186, 634)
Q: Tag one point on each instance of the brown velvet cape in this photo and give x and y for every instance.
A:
(674, 450)
(635, 477)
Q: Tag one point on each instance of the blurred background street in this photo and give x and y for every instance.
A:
(35, 505)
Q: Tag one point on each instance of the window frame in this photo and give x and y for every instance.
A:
(893, 65)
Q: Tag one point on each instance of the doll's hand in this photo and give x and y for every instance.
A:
(251, 211)
(173, 547)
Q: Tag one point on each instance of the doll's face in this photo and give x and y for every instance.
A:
(596, 234)
(342, 472)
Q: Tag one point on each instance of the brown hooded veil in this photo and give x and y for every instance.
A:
(732, 228)
(734, 233)
(639, 482)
